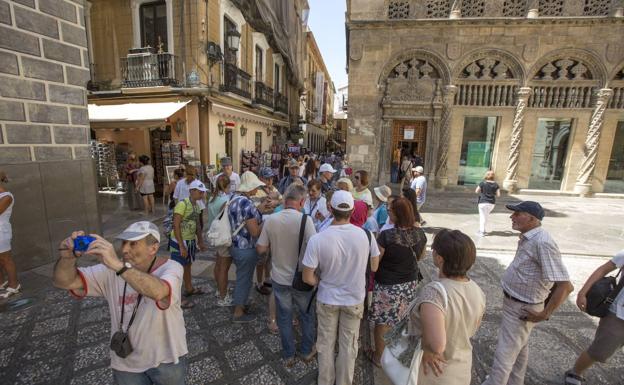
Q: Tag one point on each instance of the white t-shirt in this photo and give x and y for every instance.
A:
(420, 183)
(313, 207)
(281, 232)
(617, 306)
(340, 255)
(234, 182)
(157, 334)
(389, 225)
(182, 192)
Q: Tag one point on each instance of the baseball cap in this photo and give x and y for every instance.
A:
(140, 230)
(226, 161)
(266, 172)
(197, 185)
(530, 207)
(419, 169)
(342, 197)
(293, 163)
(326, 167)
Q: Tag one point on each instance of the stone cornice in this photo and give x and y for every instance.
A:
(481, 22)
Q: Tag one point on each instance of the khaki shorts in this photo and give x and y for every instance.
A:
(223, 252)
(608, 339)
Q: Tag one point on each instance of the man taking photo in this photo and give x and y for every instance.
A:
(148, 336)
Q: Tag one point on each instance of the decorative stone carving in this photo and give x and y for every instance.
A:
(500, 71)
(472, 8)
(355, 51)
(514, 8)
(564, 69)
(438, 8)
(619, 75)
(551, 7)
(510, 182)
(488, 68)
(597, 7)
(453, 51)
(530, 51)
(398, 10)
(578, 71)
(615, 52)
(445, 134)
(592, 140)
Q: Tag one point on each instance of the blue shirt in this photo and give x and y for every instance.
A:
(381, 214)
(240, 210)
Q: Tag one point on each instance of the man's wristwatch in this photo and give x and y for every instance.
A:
(125, 267)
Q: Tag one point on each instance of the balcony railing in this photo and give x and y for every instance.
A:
(236, 80)
(264, 95)
(147, 69)
(281, 103)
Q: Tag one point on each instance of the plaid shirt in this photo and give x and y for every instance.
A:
(242, 209)
(535, 268)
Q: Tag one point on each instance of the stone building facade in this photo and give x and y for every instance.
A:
(533, 90)
(44, 68)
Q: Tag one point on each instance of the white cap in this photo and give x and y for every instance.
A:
(419, 169)
(140, 230)
(342, 197)
(197, 185)
(326, 167)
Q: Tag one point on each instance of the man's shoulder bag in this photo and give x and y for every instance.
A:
(298, 283)
(602, 294)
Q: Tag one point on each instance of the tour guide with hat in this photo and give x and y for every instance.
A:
(245, 218)
(143, 295)
(186, 234)
(536, 271)
(326, 175)
(340, 255)
(293, 175)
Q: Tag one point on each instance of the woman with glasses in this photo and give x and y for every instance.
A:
(360, 188)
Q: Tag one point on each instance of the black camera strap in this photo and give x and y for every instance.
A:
(123, 302)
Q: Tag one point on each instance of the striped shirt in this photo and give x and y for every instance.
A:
(535, 268)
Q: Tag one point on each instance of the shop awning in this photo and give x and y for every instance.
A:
(134, 112)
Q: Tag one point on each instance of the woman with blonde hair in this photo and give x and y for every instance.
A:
(488, 190)
(7, 266)
(345, 184)
(361, 191)
(220, 196)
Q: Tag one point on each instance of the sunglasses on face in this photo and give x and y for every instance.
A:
(356, 177)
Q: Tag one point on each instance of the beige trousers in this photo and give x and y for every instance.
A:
(342, 323)
(512, 351)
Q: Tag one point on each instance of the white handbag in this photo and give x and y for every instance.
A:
(398, 373)
(220, 232)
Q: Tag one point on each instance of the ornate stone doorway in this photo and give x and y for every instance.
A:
(411, 136)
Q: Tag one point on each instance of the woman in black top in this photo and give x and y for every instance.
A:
(488, 190)
(398, 274)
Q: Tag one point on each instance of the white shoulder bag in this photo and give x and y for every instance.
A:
(391, 362)
(220, 232)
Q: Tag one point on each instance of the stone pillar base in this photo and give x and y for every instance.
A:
(533, 14)
(441, 182)
(583, 189)
(510, 185)
(455, 14)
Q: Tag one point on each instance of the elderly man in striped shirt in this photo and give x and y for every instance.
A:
(535, 284)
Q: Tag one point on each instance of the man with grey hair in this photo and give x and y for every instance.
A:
(286, 235)
(148, 337)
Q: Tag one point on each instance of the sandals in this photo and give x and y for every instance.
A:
(370, 355)
(273, 328)
(572, 378)
(195, 291)
(9, 291)
(186, 304)
(4, 285)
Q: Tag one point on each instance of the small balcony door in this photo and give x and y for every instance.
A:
(153, 21)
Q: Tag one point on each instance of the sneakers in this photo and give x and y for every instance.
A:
(243, 319)
(572, 378)
(4, 285)
(225, 301)
(9, 291)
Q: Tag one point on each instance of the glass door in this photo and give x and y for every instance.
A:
(615, 174)
(550, 153)
(477, 147)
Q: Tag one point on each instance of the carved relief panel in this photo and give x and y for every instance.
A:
(551, 7)
(398, 10)
(438, 8)
(472, 8)
(413, 80)
(564, 69)
(597, 7)
(514, 8)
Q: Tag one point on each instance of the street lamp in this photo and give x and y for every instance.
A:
(233, 39)
(269, 130)
(221, 128)
(243, 130)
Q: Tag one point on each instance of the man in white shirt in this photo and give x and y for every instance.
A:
(281, 233)
(182, 188)
(148, 348)
(419, 184)
(340, 255)
(226, 164)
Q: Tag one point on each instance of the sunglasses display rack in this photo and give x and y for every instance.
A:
(106, 164)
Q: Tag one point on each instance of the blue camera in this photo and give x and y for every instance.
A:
(82, 242)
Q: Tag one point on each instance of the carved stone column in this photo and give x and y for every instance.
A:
(455, 9)
(511, 182)
(592, 140)
(533, 12)
(445, 136)
(385, 157)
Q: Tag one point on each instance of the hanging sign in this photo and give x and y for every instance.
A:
(408, 133)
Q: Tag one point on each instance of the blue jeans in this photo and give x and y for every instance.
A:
(163, 374)
(285, 298)
(245, 261)
(394, 172)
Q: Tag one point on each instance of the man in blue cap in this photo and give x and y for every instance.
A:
(535, 284)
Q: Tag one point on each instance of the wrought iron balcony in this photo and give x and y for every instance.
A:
(236, 80)
(281, 103)
(264, 95)
(145, 69)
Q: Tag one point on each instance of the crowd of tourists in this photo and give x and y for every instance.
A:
(329, 251)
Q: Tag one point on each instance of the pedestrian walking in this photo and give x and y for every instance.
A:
(609, 337)
(228, 170)
(360, 188)
(406, 170)
(419, 185)
(448, 313)
(396, 163)
(10, 286)
(488, 191)
(148, 336)
(398, 275)
(186, 236)
(247, 220)
(219, 198)
(535, 272)
(145, 184)
(130, 168)
(286, 235)
(339, 255)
